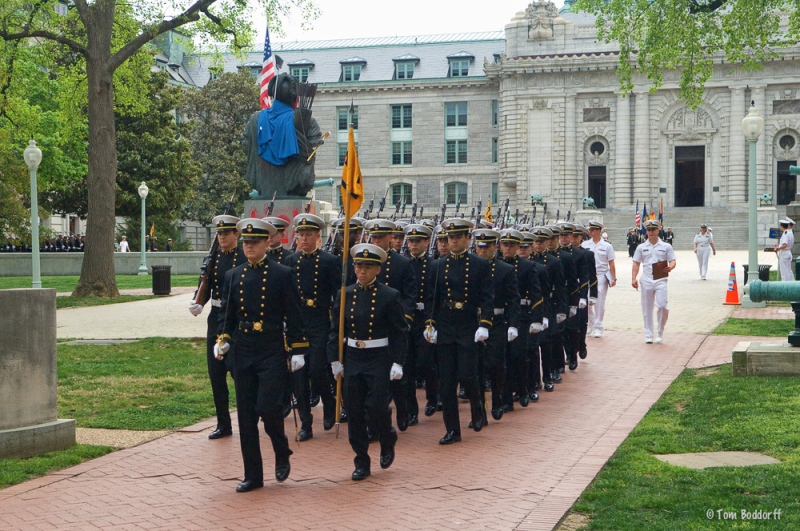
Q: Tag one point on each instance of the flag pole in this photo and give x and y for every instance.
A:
(345, 251)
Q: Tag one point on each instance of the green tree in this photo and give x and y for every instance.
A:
(691, 36)
(219, 112)
(92, 36)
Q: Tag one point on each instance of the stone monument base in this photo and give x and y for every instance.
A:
(766, 359)
(29, 441)
(585, 216)
(287, 208)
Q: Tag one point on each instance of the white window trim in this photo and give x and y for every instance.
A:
(459, 179)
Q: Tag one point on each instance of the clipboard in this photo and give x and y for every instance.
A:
(659, 270)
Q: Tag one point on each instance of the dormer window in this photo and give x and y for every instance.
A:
(300, 69)
(351, 69)
(404, 66)
(459, 64)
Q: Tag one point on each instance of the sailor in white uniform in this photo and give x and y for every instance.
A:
(784, 249)
(653, 251)
(606, 275)
(703, 248)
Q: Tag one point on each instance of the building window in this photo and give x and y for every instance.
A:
(456, 152)
(786, 142)
(597, 149)
(341, 114)
(343, 152)
(401, 194)
(255, 71)
(300, 73)
(401, 116)
(61, 9)
(494, 193)
(456, 114)
(351, 72)
(404, 70)
(401, 153)
(494, 150)
(495, 112)
(455, 192)
(459, 67)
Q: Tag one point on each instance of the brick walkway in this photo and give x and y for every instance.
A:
(523, 472)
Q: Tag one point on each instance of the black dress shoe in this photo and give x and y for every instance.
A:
(219, 433)
(536, 386)
(450, 437)
(573, 364)
(413, 420)
(313, 400)
(497, 412)
(557, 378)
(534, 396)
(360, 473)
(402, 422)
(477, 418)
(304, 434)
(328, 418)
(548, 386)
(248, 485)
(387, 458)
(582, 353)
(462, 394)
(282, 471)
(524, 400)
(439, 406)
(430, 410)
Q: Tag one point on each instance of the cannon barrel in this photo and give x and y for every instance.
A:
(774, 291)
(323, 182)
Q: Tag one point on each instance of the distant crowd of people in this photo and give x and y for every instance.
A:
(635, 237)
(70, 243)
(149, 244)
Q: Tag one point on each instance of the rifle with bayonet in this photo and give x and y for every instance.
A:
(477, 225)
(368, 211)
(203, 291)
(505, 213)
(382, 204)
(271, 204)
(293, 247)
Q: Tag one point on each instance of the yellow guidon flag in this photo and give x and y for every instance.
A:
(153, 229)
(489, 212)
(352, 184)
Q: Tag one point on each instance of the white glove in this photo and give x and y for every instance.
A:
(430, 334)
(298, 362)
(481, 334)
(573, 310)
(337, 368)
(420, 306)
(592, 300)
(535, 328)
(513, 334)
(560, 318)
(582, 303)
(545, 323)
(220, 349)
(195, 308)
(396, 372)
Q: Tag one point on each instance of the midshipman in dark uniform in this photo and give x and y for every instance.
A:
(375, 334)
(258, 297)
(276, 250)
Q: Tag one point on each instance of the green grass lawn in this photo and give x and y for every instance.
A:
(13, 471)
(82, 302)
(152, 384)
(756, 327)
(68, 283)
(703, 411)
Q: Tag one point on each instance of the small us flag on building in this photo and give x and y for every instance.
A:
(267, 72)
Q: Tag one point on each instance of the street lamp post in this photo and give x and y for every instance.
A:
(752, 126)
(143, 263)
(33, 156)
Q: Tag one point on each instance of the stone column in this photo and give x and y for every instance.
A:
(622, 180)
(737, 168)
(642, 177)
(762, 175)
(573, 178)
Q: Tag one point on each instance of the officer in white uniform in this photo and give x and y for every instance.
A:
(784, 249)
(606, 274)
(703, 247)
(653, 251)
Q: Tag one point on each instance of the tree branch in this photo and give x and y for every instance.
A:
(6, 36)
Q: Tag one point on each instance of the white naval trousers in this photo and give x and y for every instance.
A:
(703, 252)
(654, 291)
(597, 311)
(785, 261)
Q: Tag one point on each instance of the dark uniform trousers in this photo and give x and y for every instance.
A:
(457, 362)
(218, 372)
(317, 370)
(421, 363)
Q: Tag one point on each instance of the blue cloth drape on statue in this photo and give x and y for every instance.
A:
(277, 139)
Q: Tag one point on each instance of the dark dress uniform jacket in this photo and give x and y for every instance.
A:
(506, 293)
(530, 292)
(581, 256)
(570, 274)
(277, 255)
(555, 291)
(319, 277)
(459, 292)
(398, 273)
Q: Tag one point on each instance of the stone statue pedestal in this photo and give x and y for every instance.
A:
(287, 208)
(29, 423)
(585, 216)
(766, 218)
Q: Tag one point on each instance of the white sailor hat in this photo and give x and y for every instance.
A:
(338, 224)
(485, 224)
(225, 222)
(527, 238)
(511, 236)
(254, 228)
(568, 228)
(441, 234)
(541, 233)
(457, 225)
(417, 231)
(594, 224)
(786, 221)
(426, 222)
(580, 229)
(399, 226)
(484, 237)
(367, 253)
(308, 221)
(279, 223)
(652, 224)
(555, 230)
(380, 226)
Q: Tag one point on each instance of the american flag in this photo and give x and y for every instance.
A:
(267, 72)
(638, 214)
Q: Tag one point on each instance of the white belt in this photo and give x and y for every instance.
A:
(216, 303)
(420, 306)
(499, 311)
(369, 343)
(524, 302)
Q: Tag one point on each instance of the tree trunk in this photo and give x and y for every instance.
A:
(97, 272)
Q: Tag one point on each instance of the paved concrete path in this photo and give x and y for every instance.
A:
(523, 472)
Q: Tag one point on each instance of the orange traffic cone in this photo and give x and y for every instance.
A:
(732, 295)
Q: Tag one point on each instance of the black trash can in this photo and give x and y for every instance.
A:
(763, 272)
(162, 279)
